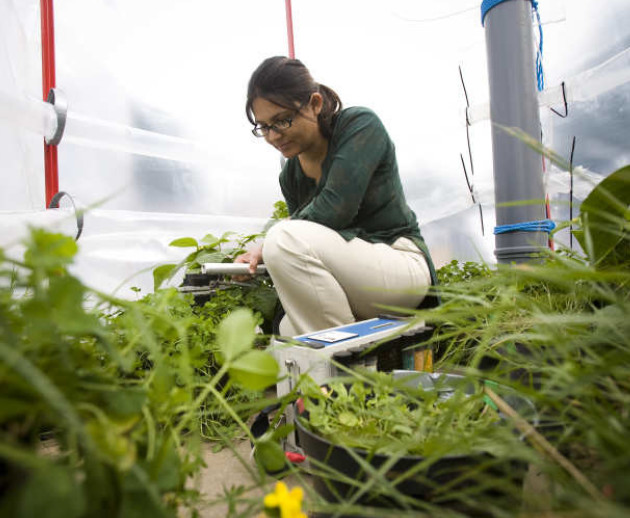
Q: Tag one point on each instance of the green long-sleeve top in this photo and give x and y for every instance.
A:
(359, 193)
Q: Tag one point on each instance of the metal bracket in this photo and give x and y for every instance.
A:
(54, 204)
(59, 101)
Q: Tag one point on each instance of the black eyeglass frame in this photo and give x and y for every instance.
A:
(278, 126)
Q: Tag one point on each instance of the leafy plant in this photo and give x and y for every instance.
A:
(457, 271)
(208, 250)
(257, 293)
(280, 211)
(381, 416)
(605, 221)
(116, 387)
(121, 389)
(557, 331)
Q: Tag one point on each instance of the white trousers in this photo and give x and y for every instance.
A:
(324, 281)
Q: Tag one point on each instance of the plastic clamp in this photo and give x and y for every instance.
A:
(60, 103)
(54, 204)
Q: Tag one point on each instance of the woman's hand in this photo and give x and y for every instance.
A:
(254, 257)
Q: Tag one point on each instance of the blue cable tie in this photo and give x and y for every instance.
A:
(544, 225)
(540, 76)
(486, 5)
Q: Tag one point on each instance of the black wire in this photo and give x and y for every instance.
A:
(461, 76)
(472, 195)
(467, 181)
(470, 158)
(472, 166)
(566, 106)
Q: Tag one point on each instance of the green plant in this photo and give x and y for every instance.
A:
(381, 416)
(256, 293)
(117, 388)
(122, 388)
(209, 249)
(605, 221)
(280, 211)
(556, 331)
(457, 271)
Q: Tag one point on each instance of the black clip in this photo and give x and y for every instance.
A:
(566, 106)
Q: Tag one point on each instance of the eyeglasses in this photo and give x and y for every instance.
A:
(262, 130)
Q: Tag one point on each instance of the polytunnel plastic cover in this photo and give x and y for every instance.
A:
(180, 70)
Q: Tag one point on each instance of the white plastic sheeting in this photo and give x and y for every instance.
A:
(119, 249)
(156, 119)
(21, 148)
(587, 85)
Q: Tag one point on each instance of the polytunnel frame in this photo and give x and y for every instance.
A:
(520, 246)
(101, 134)
(49, 82)
(49, 85)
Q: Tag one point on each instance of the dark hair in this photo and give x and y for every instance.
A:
(288, 83)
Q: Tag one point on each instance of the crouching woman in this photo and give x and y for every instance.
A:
(352, 243)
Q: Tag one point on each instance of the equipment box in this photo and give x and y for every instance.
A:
(383, 344)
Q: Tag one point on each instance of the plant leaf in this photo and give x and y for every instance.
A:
(11, 407)
(255, 370)
(52, 492)
(211, 257)
(49, 251)
(604, 213)
(269, 454)
(161, 273)
(236, 333)
(210, 240)
(184, 242)
(68, 294)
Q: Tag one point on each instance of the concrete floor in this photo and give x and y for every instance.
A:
(227, 470)
(224, 471)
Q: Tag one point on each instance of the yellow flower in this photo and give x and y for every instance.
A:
(289, 502)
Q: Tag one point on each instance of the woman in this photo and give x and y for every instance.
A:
(351, 244)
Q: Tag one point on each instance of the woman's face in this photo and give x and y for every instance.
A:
(303, 133)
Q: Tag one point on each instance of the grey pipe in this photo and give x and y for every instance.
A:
(514, 103)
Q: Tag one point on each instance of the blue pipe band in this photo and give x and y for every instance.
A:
(486, 5)
(544, 225)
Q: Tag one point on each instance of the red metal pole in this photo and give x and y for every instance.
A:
(287, 4)
(51, 170)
